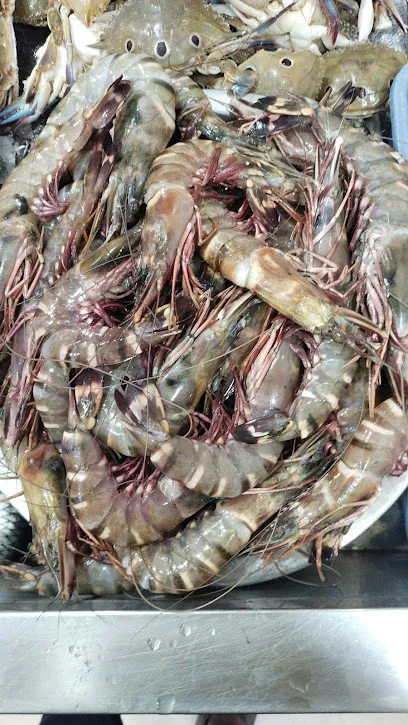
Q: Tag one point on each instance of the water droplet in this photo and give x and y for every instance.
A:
(165, 704)
(71, 649)
(211, 631)
(154, 644)
(185, 629)
(173, 643)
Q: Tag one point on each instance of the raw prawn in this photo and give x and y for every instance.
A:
(381, 236)
(332, 368)
(30, 187)
(42, 475)
(193, 557)
(270, 274)
(190, 367)
(225, 468)
(379, 447)
(129, 517)
(271, 360)
(142, 130)
(94, 279)
(170, 215)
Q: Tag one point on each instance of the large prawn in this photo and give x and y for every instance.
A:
(42, 474)
(380, 238)
(379, 447)
(170, 212)
(227, 467)
(141, 513)
(94, 279)
(29, 190)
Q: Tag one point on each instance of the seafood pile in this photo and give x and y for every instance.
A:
(204, 326)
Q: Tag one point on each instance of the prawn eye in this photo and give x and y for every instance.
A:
(129, 45)
(162, 49)
(195, 40)
(390, 82)
(286, 62)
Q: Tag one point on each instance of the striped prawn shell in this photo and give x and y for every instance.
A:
(379, 441)
(195, 555)
(91, 346)
(117, 516)
(324, 383)
(376, 448)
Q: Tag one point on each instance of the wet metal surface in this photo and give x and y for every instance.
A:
(279, 647)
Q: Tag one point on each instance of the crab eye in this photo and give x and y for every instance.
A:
(195, 40)
(162, 49)
(286, 62)
(129, 45)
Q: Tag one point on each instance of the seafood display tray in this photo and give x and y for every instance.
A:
(278, 647)
(291, 644)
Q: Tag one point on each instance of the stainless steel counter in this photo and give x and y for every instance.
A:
(279, 647)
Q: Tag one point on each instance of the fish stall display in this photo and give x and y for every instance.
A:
(203, 302)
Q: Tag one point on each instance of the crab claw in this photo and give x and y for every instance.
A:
(365, 19)
(20, 110)
(332, 15)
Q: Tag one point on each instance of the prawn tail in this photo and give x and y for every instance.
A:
(144, 416)
(263, 430)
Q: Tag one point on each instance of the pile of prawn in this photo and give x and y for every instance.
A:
(204, 326)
